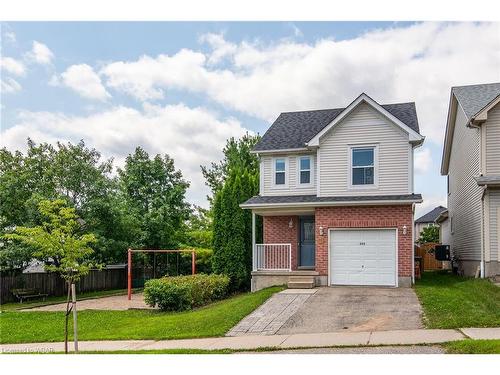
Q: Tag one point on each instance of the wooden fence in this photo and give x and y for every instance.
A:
(426, 251)
(53, 285)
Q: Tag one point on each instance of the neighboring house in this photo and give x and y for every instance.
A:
(429, 219)
(336, 197)
(444, 228)
(471, 160)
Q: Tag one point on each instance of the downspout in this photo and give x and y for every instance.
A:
(471, 124)
(483, 239)
(413, 245)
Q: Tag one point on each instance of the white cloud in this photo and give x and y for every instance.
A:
(12, 66)
(10, 36)
(40, 54)
(192, 136)
(9, 86)
(423, 160)
(83, 80)
(429, 202)
(417, 63)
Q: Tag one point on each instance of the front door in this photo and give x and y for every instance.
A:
(306, 242)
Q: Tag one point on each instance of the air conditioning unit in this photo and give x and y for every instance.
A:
(442, 252)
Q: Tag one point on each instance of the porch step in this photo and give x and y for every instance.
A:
(301, 282)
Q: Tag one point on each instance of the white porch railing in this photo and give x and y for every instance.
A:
(272, 257)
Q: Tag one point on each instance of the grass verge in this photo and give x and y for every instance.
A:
(209, 321)
(451, 301)
(473, 347)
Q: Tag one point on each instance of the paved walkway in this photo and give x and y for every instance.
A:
(102, 303)
(304, 340)
(271, 315)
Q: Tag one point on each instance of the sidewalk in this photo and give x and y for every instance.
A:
(311, 340)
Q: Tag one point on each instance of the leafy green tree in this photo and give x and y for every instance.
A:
(429, 234)
(73, 172)
(233, 181)
(60, 244)
(237, 157)
(198, 231)
(154, 192)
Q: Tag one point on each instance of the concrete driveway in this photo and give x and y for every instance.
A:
(356, 309)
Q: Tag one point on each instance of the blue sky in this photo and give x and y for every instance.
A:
(183, 88)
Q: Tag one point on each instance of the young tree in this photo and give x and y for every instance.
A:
(61, 246)
(429, 234)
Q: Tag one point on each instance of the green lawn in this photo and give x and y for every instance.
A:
(212, 320)
(473, 347)
(450, 301)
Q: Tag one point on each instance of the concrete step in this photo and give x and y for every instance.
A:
(301, 284)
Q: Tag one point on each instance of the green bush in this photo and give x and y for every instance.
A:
(203, 261)
(185, 292)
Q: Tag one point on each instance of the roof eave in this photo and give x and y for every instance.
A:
(331, 203)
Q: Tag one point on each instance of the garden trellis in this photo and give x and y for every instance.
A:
(155, 251)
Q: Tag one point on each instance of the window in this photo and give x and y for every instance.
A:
(305, 170)
(279, 171)
(363, 166)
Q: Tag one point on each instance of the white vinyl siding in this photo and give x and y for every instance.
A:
(365, 126)
(464, 200)
(292, 187)
(494, 213)
(493, 141)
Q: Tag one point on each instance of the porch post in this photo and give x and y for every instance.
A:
(254, 260)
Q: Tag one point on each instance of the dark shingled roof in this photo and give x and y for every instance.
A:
(294, 129)
(314, 199)
(474, 98)
(430, 217)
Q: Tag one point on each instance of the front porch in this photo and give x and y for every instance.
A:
(286, 255)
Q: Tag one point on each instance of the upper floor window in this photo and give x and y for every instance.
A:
(363, 166)
(280, 171)
(305, 170)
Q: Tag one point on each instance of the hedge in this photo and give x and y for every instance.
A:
(185, 292)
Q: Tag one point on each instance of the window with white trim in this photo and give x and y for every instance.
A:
(280, 171)
(305, 170)
(363, 166)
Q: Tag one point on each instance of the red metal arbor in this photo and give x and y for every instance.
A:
(129, 263)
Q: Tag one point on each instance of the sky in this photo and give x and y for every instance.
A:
(183, 88)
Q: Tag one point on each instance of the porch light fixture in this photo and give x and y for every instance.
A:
(404, 229)
(290, 223)
(320, 231)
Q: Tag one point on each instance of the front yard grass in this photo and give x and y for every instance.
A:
(212, 320)
(473, 347)
(451, 301)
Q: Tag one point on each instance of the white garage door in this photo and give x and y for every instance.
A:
(363, 257)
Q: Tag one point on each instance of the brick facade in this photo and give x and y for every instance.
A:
(277, 230)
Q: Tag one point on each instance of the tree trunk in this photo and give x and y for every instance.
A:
(75, 326)
(67, 318)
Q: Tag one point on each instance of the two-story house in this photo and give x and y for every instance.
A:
(336, 197)
(471, 161)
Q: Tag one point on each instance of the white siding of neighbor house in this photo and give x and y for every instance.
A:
(494, 213)
(444, 232)
(293, 188)
(365, 125)
(464, 200)
(492, 125)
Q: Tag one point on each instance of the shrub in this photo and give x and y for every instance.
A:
(203, 261)
(185, 292)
